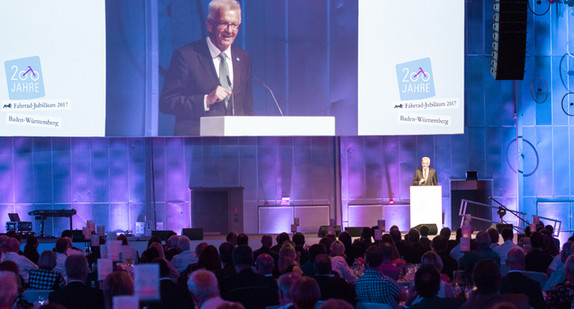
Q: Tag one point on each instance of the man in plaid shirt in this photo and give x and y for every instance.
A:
(374, 287)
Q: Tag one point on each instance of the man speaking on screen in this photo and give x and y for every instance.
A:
(209, 77)
(425, 176)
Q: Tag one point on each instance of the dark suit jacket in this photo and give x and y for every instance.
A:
(253, 291)
(78, 296)
(173, 296)
(518, 283)
(431, 179)
(335, 287)
(191, 76)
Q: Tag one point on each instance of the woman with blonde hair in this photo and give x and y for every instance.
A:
(339, 262)
(288, 260)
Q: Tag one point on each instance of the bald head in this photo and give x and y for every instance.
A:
(515, 259)
(203, 285)
(264, 264)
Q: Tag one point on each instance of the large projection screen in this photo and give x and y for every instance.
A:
(411, 67)
(53, 79)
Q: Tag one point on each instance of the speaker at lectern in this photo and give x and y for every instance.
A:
(426, 205)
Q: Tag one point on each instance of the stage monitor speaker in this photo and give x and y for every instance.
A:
(193, 233)
(355, 231)
(163, 234)
(323, 230)
(509, 39)
(499, 227)
(433, 229)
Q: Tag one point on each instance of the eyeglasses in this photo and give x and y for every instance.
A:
(226, 25)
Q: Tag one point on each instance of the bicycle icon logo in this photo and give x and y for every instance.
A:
(415, 79)
(24, 77)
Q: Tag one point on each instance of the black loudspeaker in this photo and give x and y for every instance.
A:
(433, 229)
(164, 235)
(323, 230)
(355, 231)
(499, 227)
(509, 39)
(193, 233)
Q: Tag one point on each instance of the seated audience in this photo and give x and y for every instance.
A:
(439, 245)
(9, 290)
(117, 283)
(446, 289)
(186, 255)
(339, 262)
(299, 241)
(314, 251)
(558, 276)
(204, 290)
(173, 295)
(562, 294)
(481, 252)
(284, 285)
(387, 267)
(31, 249)
(280, 239)
(227, 268)
(242, 239)
(61, 255)
(264, 265)
(11, 247)
(45, 278)
(76, 294)
(494, 236)
(537, 259)
(487, 278)
(287, 260)
(266, 242)
(128, 252)
(427, 286)
(414, 250)
(373, 287)
(250, 289)
(424, 240)
(508, 244)
(517, 283)
(232, 238)
(9, 266)
(331, 285)
(171, 247)
(305, 293)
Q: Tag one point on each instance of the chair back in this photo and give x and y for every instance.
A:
(33, 296)
(363, 305)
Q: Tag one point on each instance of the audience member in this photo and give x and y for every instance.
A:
(287, 260)
(314, 251)
(266, 242)
(502, 249)
(61, 249)
(481, 252)
(45, 278)
(331, 285)
(387, 267)
(494, 236)
(559, 275)
(347, 240)
(9, 290)
(305, 293)
(76, 294)
(432, 258)
(154, 239)
(487, 278)
(117, 283)
(12, 246)
(414, 249)
(186, 255)
(31, 249)
(339, 263)
(128, 252)
(250, 289)
(515, 282)
(455, 252)
(299, 240)
(439, 245)
(264, 265)
(171, 247)
(232, 238)
(20, 302)
(172, 295)
(396, 259)
(327, 241)
(424, 240)
(208, 260)
(284, 285)
(227, 267)
(242, 239)
(280, 239)
(427, 286)
(204, 289)
(335, 303)
(373, 287)
(537, 259)
(561, 295)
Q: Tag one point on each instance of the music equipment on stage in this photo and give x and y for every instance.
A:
(324, 228)
(42, 214)
(193, 233)
(163, 234)
(355, 231)
(16, 225)
(433, 229)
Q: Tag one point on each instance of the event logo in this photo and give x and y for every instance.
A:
(415, 79)
(24, 77)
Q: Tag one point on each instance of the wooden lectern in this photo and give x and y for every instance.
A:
(267, 126)
(426, 205)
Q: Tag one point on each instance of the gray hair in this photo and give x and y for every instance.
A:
(183, 243)
(222, 5)
(203, 285)
(9, 289)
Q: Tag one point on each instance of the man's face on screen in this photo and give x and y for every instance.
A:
(224, 28)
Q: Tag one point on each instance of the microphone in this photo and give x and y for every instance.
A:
(270, 91)
(232, 96)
